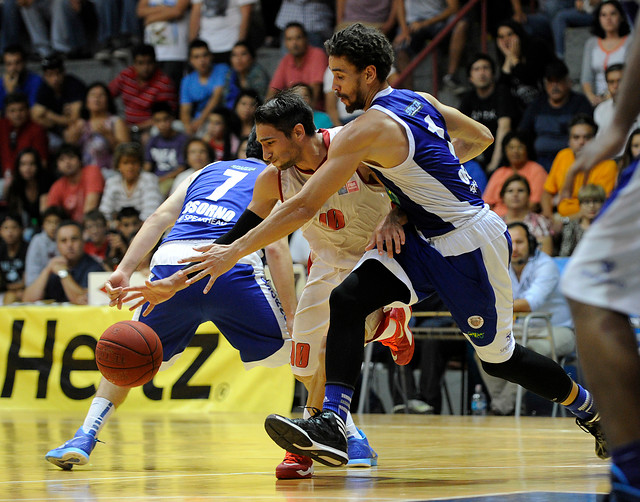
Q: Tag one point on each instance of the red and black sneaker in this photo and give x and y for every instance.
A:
(295, 467)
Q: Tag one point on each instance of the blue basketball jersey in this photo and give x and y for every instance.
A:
(431, 185)
(215, 199)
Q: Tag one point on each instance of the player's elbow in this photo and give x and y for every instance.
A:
(485, 137)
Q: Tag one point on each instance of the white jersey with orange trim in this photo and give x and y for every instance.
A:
(340, 231)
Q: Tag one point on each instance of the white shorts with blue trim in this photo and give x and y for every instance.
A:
(604, 268)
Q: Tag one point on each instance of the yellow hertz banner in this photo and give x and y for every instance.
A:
(47, 363)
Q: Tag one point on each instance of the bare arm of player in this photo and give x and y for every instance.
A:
(144, 241)
(347, 150)
(389, 233)
(278, 257)
(627, 108)
(469, 138)
(265, 196)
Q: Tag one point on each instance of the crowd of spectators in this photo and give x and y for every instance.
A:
(97, 153)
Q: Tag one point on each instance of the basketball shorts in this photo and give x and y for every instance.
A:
(241, 303)
(603, 270)
(311, 323)
(474, 286)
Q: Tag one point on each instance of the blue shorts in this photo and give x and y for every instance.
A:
(242, 305)
(475, 287)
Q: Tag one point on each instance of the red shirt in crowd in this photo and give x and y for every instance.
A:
(30, 134)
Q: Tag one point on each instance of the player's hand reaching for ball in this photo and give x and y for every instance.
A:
(155, 292)
(215, 260)
(114, 286)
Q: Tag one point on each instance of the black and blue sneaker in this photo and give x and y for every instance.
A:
(76, 451)
(322, 437)
(593, 427)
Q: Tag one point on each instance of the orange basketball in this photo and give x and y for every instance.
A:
(129, 354)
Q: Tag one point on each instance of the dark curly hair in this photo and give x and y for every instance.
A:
(362, 46)
(284, 111)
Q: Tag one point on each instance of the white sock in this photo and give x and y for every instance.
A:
(99, 411)
(352, 430)
(306, 413)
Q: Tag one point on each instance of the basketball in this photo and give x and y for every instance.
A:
(129, 354)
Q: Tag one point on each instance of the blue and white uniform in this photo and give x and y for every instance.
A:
(455, 245)
(603, 269)
(241, 304)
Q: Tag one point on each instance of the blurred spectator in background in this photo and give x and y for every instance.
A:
(577, 15)
(17, 132)
(521, 59)
(315, 17)
(99, 129)
(65, 278)
(245, 74)
(16, 77)
(166, 28)
(489, 104)
(547, 119)
(221, 135)
(220, 23)
(422, 20)
(603, 114)
(320, 119)
(131, 186)
(11, 27)
(582, 129)
(13, 252)
(516, 153)
(42, 246)
(66, 35)
(198, 154)
(515, 195)
(377, 13)
(59, 100)
(27, 193)
(106, 246)
(631, 151)
(128, 222)
(202, 89)
(79, 187)
(164, 153)
(245, 108)
(140, 85)
(302, 63)
(591, 199)
(269, 10)
(608, 46)
(118, 28)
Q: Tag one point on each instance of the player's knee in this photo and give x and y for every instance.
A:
(342, 300)
(504, 370)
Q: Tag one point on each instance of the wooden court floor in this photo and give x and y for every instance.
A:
(202, 457)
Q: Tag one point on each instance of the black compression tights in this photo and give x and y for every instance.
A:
(365, 290)
(534, 372)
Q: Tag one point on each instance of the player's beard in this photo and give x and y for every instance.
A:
(357, 103)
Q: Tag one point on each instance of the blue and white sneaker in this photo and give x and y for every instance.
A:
(360, 453)
(76, 451)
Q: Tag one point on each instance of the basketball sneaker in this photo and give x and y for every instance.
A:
(294, 467)
(593, 427)
(401, 343)
(322, 437)
(76, 451)
(360, 452)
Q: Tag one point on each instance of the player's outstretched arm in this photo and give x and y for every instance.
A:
(345, 154)
(144, 241)
(469, 138)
